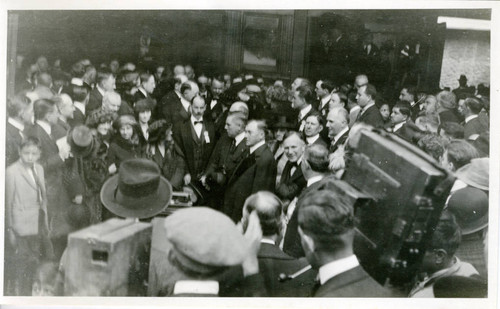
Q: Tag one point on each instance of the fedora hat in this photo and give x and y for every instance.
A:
(137, 191)
(476, 173)
(81, 141)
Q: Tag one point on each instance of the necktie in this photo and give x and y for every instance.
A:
(232, 148)
(39, 191)
(293, 167)
(198, 122)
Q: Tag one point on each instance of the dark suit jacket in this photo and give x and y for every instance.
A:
(183, 137)
(273, 262)
(171, 109)
(290, 186)
(475, 126)
(95, 101)
(12, 143)
(255, 173)
(297, 127)
(341, 141)
(139, 96)
(60, 129)
(78, 118)
(372, 117)
(409, 132)
(320, 141)
(353, 283)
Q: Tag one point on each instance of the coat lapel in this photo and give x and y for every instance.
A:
(23, 171)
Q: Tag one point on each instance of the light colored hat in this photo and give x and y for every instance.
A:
(476, 173)
(205, 240)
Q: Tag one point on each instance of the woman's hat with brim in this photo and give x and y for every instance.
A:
(476, 173)
(138, 191)
(81, 141)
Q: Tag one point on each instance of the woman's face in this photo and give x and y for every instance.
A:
(103, 128)
(385, 112)
(145, 116)
(126, 132)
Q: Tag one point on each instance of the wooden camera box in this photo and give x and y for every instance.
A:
(108, 259)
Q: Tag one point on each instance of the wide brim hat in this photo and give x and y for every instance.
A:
(81, 141)
(476, 173)
(137, 191)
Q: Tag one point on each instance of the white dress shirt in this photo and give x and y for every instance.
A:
(303, 112)
(336, 137)
(80, 106)
(239, 138)
(198, 127)
(185, 103)
(470, 118)
(254, 147)
(310, 140)
(45, 126)
(17, 124)
(335, 268)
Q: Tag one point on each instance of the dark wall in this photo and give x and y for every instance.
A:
(193, 37)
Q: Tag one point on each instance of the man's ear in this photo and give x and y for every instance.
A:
(440, 256)
(307, 241)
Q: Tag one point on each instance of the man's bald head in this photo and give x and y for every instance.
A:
(239, 107)
(179, 70)
(268, 207)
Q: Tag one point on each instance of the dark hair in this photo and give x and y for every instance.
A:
(144, 77)
(328, 85)
(452, 129)
(474, 105)
(461, 152)
(316, 156)
(306, 92)
(412, 90)
(103, 74)
(98, 117)
(318, 116)
(186, 86)
(79, 93)
(30, 141)
(325, 216)
(371, 91)
(290, 133)
(404, 108)
(42, 107)
(16, 105)
(447, 234)
(268, 207)
(143, 105)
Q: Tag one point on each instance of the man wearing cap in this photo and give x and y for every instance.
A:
(205, 249)
(196, 139)
(326, 229)
(255, 173)
(470, 206)
(314, 167)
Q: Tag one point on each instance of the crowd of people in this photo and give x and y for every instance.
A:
(252, 151)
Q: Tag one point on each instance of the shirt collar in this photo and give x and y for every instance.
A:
(470, 118)
(367, 107)
(101, 91)
(355, 108)
(16, 123)
(143, 91)
(45, 126)
(267, 241)
(194, 119)
(314, 180)
(239, 138)
(336, 137)
(305, 110)
(325, 100)
(80, 106)
(196, 287)
(254, 147)
(398, 126)
(332, 269)
(312, 139)
(185, 103)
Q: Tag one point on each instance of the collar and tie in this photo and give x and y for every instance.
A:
(198, 122)
(232, 148)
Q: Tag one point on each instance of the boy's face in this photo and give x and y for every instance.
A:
(29, 154)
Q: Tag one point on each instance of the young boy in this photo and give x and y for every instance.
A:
(26, 214)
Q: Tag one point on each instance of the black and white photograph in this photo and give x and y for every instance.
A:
(273, 154)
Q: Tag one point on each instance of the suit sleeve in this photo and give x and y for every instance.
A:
(265, 174)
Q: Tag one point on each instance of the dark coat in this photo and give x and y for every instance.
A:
(290, 186)
(474, 126)
(372, 117)
(12, 143)
(78, 118)
(255, 173)
(409, 132)
(449, 116)
(60, 129)
(299, 121)
(183, 134)
(171, 165)
(341, 141)
(171, 109)
(121, 150)
(353, 283)
(95, 101)
(273, 262)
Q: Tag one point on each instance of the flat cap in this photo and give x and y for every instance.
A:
(204, 239)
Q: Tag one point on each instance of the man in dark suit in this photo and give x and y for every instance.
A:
(147, 87)
(292, 180)
(214, 107)
(402, 124)
(302, 99)
(470, 109)
(337, 123)
(369, 113)
(314, 167)
(274, 263)
(228, 153)
(18, 109)
(175, 105)
(105, 82)
(196, 139)
(324, 89)
(66, 110)
(409, 94)
(80, 96)
(255, 173)
(326, 229)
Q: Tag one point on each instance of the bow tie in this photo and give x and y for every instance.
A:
(198, 122)
(294, 164)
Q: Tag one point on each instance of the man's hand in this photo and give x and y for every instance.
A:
(253, 236)
(112, 169)
(187, 179)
